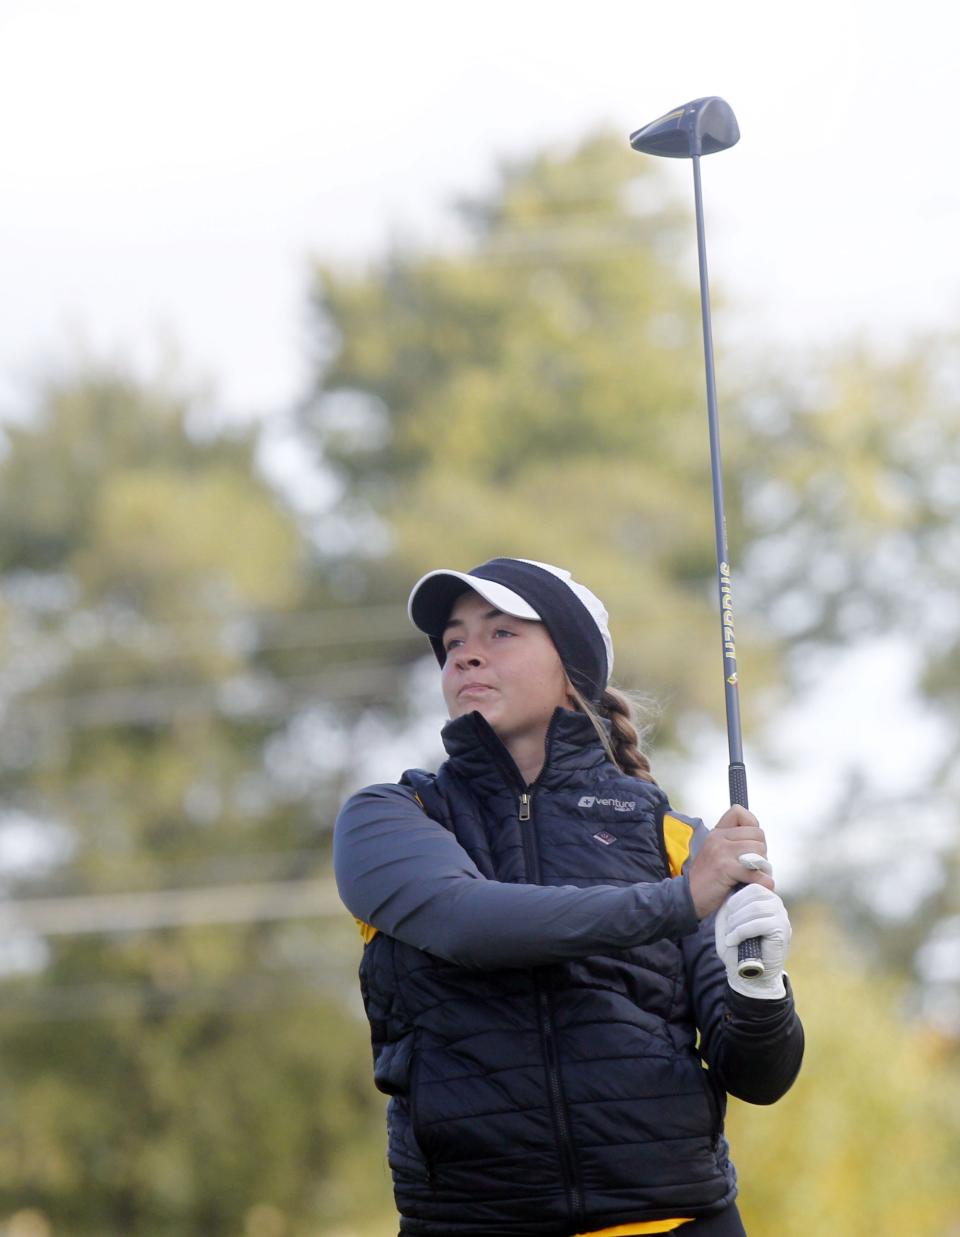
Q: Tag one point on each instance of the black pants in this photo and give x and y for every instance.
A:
(726, 1224)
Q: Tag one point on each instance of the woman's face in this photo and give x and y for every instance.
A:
(503, 667)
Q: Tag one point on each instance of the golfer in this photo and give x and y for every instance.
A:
(550, 961)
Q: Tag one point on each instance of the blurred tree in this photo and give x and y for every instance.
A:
(539, 392)
(852, 496)
(852, 516)
(190, 685)
(866, 1142)
(170, 1081)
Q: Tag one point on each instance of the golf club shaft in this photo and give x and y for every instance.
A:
(749, 957)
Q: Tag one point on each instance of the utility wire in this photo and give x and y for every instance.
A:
(243, 692)
(250, 632)
(246, 991)
(172, 908)
(332, 973)
(239, 697)
(214, 868)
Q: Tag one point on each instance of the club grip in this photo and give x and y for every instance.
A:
(750, 959)
(738, 784)
(749, 954)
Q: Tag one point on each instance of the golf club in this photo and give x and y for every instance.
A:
(703, 127)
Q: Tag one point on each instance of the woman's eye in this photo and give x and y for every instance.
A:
(503, 631)
(451, 644)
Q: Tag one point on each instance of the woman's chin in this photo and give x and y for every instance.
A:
(486, 708)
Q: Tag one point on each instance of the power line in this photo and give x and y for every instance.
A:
(246, 693)
(173, 908)
(245, 991)
(249, 633)
(239, 697)
(216, 868)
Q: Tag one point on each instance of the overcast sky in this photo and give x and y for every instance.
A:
(168, 167)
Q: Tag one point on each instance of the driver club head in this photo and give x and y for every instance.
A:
(700, 127)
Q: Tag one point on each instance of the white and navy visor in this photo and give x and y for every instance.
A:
(575, 618)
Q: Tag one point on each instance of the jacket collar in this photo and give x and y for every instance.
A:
(477, 753)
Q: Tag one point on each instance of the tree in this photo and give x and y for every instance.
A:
(176, 1080)
(538, 392)
(851, 518)
(194, 676)
(866, 1141)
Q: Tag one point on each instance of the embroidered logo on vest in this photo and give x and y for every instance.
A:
(606, 838)
(618, 805)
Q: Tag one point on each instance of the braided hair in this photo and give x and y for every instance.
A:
(622, 744)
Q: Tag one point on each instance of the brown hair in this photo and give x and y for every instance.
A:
(622, 744)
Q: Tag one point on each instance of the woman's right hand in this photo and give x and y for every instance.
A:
(717, 868)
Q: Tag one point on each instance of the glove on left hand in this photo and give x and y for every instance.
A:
(755, 911)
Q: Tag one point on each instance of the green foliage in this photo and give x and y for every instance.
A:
(852, 516)
(186, 686)
(866, 1142)
(187, 1121)
(540, 394)
(185, 1079)
(854, 493)
(85, 424)
(209, 537)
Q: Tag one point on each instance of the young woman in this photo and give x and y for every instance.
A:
(550, 960)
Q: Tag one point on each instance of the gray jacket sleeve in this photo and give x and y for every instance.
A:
(407, 876)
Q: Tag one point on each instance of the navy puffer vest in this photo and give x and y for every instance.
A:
(561, 1099)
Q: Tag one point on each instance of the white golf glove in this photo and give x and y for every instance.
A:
(755, 911)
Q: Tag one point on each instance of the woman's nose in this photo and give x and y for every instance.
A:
(468, 655)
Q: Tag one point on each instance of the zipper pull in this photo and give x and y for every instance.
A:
(524, 813)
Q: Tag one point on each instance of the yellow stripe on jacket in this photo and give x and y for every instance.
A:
(643, 1226)
(677, 836)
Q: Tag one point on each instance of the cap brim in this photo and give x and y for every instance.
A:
(433, 596)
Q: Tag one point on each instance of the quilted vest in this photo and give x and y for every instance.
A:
(563, 1098)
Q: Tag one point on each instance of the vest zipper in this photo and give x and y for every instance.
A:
(575, 1200)
(526, 795)
(418, 1138)
(558, 1106)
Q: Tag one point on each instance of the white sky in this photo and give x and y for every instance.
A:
(167, 168)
